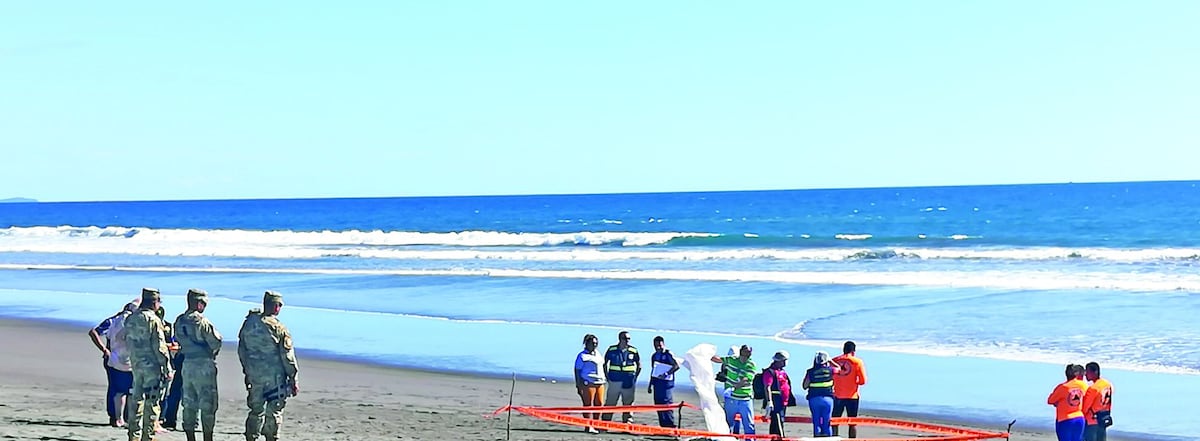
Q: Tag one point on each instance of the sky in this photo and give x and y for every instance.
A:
(220, 100)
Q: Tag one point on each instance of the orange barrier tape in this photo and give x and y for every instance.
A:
(607, 409)
(886, 422)
(558, 415)
(613, 426)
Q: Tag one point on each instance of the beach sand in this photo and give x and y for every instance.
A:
(53, 387)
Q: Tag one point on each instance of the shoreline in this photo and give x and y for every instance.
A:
(53, 387)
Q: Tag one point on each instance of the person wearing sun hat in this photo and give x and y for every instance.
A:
(778, 387)
(818, 381)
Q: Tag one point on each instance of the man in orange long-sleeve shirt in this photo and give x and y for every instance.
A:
(1097, 403)
(845, 385)
(1067, 399)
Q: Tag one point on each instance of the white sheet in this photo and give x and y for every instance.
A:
(698, 362)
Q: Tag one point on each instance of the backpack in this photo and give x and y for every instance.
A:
(760, 390)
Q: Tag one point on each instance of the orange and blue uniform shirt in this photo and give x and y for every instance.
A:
(1067, 399)
(1098, 398)
(851, 375)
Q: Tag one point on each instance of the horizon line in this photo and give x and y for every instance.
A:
(28, 200)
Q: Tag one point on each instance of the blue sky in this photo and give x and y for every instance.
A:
(169, 100)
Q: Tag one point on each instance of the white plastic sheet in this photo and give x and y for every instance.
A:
(698, 362)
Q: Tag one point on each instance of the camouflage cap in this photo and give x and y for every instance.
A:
(272, 297)
(197, 295)
(150, 295)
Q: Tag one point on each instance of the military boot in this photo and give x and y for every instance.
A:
(191, 436)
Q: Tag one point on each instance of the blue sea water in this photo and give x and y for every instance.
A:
(965, 301)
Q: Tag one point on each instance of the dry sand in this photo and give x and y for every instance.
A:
(53, 387)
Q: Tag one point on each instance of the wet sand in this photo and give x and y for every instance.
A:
(52, 388)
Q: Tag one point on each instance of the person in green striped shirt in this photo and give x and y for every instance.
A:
(739, 393)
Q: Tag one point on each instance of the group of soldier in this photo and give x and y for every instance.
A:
(264, 349)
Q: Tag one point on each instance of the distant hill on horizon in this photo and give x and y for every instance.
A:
(17, 200)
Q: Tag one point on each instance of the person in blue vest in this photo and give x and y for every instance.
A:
(818, 381)
(622, 365)
(662, 380)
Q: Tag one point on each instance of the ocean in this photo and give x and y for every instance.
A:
(965, 302)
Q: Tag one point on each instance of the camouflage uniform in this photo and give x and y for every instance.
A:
(199, 343)
(151, 365)
(269, 364)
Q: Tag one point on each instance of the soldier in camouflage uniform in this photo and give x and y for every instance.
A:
(269, 364)
(199, 343)
(151, 365)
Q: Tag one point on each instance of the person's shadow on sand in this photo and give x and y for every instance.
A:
(59, 423)
(62, 423)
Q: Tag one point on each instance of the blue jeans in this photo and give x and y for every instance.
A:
(1070, 430)
(109, 405)
(663, 395)
(822, 410)
(742, 407)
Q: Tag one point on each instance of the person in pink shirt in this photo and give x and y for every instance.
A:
(779, 387)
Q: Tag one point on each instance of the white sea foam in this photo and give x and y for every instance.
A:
(16, 237)
(1011, 280)
(853, 236)
(502, 246)
(1012, 352)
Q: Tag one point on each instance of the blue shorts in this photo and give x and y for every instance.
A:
(122, 382)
